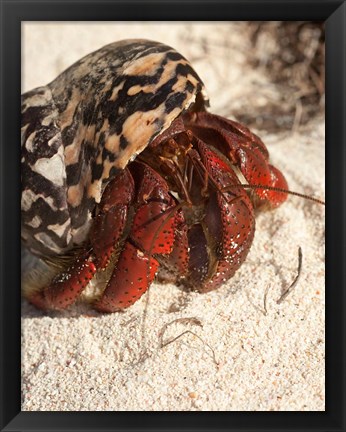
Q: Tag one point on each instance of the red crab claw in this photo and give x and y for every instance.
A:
(244, 149)
(66, 286)
(152, 233)
(229, 219)
(109, 224)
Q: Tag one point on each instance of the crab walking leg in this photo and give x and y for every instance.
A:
(65, 287)
(277, 180)
(152, 233)
(229, 219)
(106, 233)
(136, 268)
(132, 276)
(245, 150)
(110, 223)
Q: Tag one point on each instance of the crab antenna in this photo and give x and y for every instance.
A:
(276, 189)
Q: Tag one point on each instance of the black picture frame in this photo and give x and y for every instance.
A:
(15, 11)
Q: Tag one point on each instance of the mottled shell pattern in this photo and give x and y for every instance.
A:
(86, 125)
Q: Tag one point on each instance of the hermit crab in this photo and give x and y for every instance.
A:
(126, 177)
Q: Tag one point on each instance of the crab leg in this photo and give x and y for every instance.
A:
(152, 233)
(110, 223)
(65, 287)
(132, 276)
(229, 221)
(244, 149)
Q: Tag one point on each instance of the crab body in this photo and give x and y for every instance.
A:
(125, 172)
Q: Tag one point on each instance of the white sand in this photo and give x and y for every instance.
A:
(250, 352)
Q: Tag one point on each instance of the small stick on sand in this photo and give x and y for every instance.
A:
(294, 283)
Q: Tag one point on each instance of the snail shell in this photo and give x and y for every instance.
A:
(89, 123)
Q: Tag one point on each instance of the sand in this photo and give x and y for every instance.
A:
(234, 349)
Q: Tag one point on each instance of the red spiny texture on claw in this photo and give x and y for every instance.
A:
(110, 222)
(106, 232)
(130, 279)
(152, 232)
(64, 289)
(66, 286)
(118, 192)
(154, 223)
(229, 219)
(243, 148)
(278, 181)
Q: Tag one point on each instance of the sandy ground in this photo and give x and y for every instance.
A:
(234, 349)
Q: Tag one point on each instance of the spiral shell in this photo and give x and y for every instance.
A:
(89, 123)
